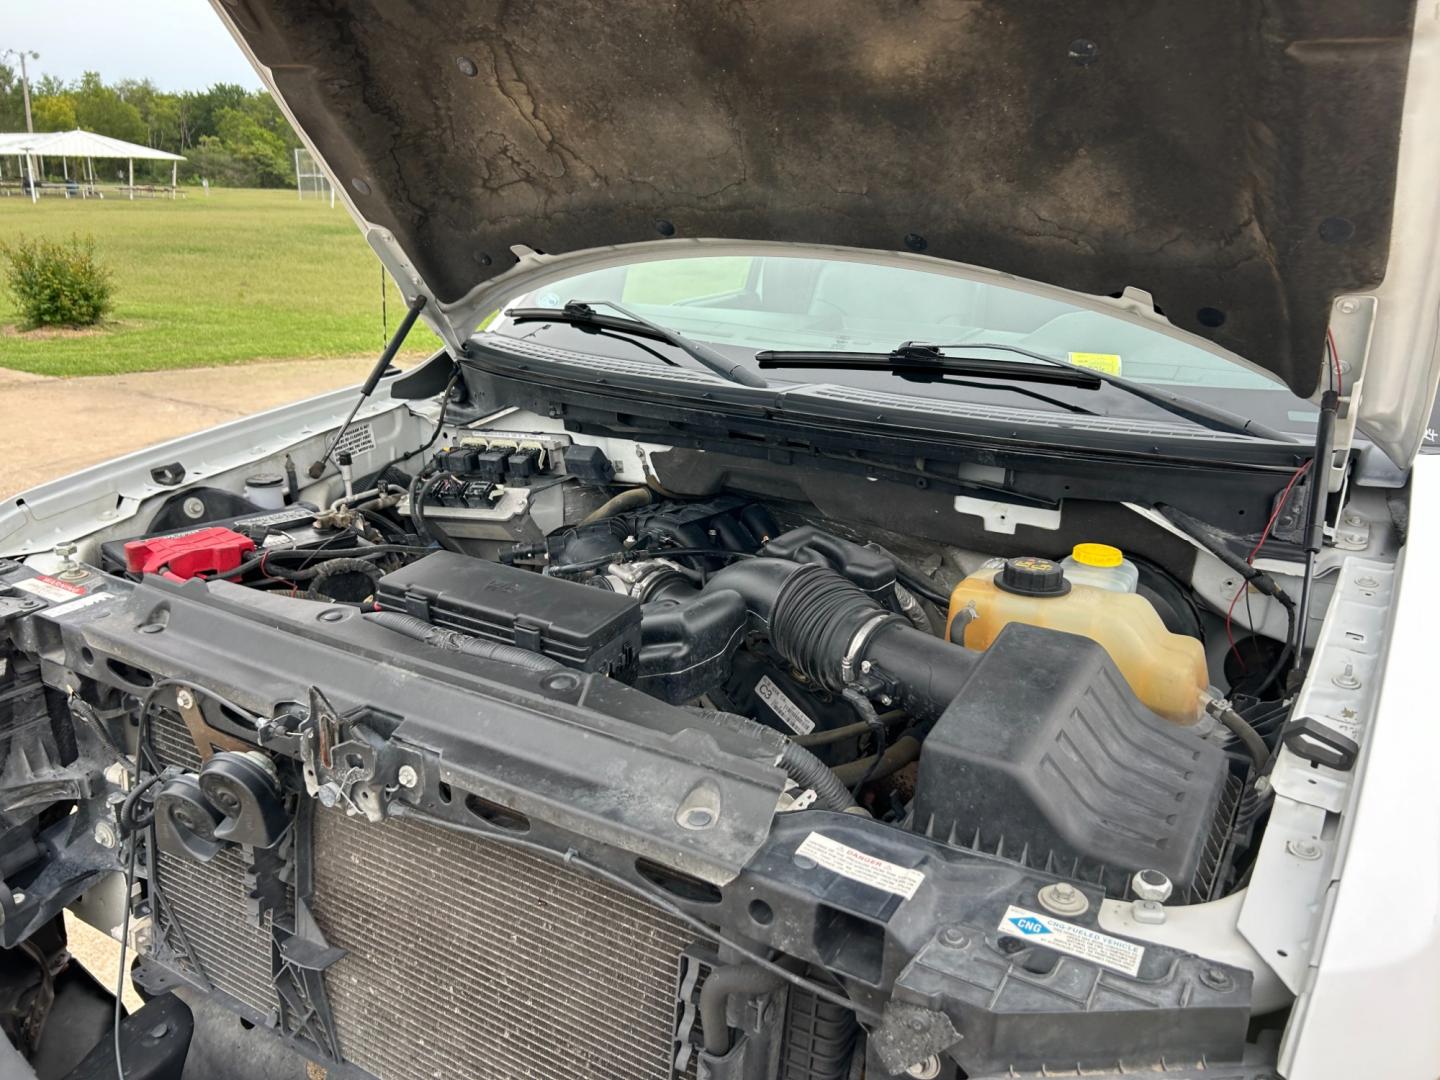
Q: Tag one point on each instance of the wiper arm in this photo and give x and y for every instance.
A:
(582, 313)
(917, 362)
(914, 356)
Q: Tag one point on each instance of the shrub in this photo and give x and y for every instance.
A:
(57, 283)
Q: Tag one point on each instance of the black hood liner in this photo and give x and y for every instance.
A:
(1235, 159)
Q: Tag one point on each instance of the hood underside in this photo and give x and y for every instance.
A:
(1236, 160)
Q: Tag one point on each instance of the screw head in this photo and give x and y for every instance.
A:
(1216, 978)
(185, 699)
(925, 1070)
(1347, 679)
(65, 551)
(17, 898)
(952, 937)
(1151, 885)
(1309, 850)
(328, 794)
(105, 834)
(1348, 307)
(407, 776)
(1062, 898)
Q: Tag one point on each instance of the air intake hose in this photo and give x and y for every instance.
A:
(828, 628)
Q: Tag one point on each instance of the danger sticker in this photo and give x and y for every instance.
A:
(793, 717)
(49, 588)
(857, 866)
(1078, 941)
(81, 604)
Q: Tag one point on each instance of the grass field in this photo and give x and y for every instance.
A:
(237, 276)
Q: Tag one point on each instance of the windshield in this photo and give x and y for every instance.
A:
(745, 304)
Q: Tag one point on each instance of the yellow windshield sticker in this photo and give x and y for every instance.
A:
(1107, 362)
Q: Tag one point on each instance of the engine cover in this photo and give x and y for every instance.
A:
(1046, 757)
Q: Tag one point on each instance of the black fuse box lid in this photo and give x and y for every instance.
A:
(581, 626)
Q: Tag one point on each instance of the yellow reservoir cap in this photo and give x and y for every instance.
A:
(1097, 555)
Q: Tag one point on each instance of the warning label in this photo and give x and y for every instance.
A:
(793, 717)
(49, 588)
(80, 604)
(1109, 363)
(857, 866)
(1078, 941)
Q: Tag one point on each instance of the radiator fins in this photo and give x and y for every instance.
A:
(466, 958)
(206, 913)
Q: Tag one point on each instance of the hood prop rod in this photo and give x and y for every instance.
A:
(1319, 497)
(317, 469)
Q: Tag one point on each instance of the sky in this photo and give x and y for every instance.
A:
(177, 44)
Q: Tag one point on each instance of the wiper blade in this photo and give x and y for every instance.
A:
(919, 362)
(582, 313)
(914, 356)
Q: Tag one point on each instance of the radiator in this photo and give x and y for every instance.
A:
(467, 958)
(206, 910)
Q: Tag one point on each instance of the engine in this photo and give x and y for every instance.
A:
(495, 770)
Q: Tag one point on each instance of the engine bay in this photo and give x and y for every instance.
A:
(932, 791)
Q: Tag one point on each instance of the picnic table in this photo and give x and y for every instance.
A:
(151, 191)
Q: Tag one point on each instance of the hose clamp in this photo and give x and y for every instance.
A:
(858, 643)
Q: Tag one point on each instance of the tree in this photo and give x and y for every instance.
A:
(100, 109)
(229, 134)
(54, 113)
(12, 105)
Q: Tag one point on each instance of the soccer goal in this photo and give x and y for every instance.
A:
(311, 181)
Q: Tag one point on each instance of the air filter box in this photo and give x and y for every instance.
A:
(1047, 758)
(581, 626)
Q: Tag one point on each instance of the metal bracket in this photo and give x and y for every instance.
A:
(1312, 773)
(1352, 323)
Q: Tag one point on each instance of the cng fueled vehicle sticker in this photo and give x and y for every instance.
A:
(1078, 941)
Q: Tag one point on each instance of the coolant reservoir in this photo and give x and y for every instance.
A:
(1100, 565)
(1166, 671)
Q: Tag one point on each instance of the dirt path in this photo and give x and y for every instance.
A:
(52, 427)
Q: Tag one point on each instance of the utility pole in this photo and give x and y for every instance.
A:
(24, 82)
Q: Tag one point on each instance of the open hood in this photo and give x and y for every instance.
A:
(1249, 165)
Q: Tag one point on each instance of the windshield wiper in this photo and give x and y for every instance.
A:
(923, 362)
(582, 313)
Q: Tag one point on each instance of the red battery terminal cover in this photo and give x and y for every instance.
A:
(214, 552)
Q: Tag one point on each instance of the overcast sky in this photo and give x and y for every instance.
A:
(178, 44)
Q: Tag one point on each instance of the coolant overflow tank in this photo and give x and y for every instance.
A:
(1166, 671)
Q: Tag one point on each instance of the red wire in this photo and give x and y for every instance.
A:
(1250, 561)
(1334, 356)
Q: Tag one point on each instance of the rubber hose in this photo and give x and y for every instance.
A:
(799, 764)
(439, 638)
(630, 499)
(901, 753)
(715, 994)
(912, 609)
(826, 736)
(814, 616)
(1250, 738)
(331, 567)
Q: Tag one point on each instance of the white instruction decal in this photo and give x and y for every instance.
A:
(1087, 944)
(357, 439)
(49, 588)
(857, 866)
(780, 704)
(84, 602)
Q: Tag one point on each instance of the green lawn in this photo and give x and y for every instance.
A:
(237, 276)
